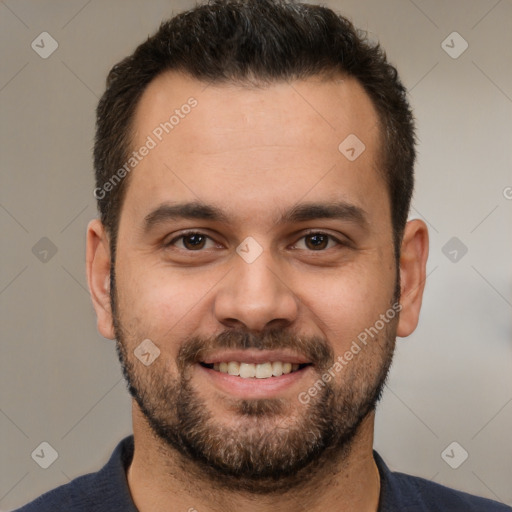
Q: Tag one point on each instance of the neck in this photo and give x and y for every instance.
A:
(159, 476)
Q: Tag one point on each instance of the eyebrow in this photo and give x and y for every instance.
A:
(197, 210)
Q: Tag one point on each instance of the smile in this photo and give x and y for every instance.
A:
(263, 370)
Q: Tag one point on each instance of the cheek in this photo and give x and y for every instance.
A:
(348, 302)
(160, 303)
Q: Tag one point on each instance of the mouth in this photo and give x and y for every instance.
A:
(248, 370)
(252, 374)
(255, 374)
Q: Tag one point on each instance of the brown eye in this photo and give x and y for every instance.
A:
(190, 241)
(194, 241)
(317, 241)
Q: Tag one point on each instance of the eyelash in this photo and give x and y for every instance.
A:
(310, 233)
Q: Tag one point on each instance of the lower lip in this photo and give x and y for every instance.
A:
(253, 387)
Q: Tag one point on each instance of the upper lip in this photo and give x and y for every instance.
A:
(254, 356)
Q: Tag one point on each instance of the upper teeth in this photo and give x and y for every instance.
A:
(259, 371)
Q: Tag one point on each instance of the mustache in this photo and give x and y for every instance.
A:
(315, 348)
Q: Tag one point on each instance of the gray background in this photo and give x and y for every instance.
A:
(60, 381)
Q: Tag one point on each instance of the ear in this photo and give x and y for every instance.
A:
(413, 265)
(98, 276)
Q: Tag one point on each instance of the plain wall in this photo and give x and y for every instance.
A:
(60, 381)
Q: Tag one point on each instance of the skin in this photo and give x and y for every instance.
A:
(255, 153)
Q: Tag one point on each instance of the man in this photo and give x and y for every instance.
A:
(253, 260)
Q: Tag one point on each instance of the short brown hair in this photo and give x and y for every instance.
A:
(240, 41)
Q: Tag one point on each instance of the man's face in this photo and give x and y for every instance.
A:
(275, 278)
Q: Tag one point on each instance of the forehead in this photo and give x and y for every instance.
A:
(267, 144)
(333, 106)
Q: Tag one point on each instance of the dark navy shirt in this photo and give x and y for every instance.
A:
(107, 491)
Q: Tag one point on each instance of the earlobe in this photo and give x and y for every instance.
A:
(98, 276)
(413, 264)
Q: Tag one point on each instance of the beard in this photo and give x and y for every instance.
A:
(277, 443)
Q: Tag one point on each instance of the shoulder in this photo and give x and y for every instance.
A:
(410, 493)
(103, 491)
(74, 496)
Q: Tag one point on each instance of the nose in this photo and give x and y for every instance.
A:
(255, 296)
